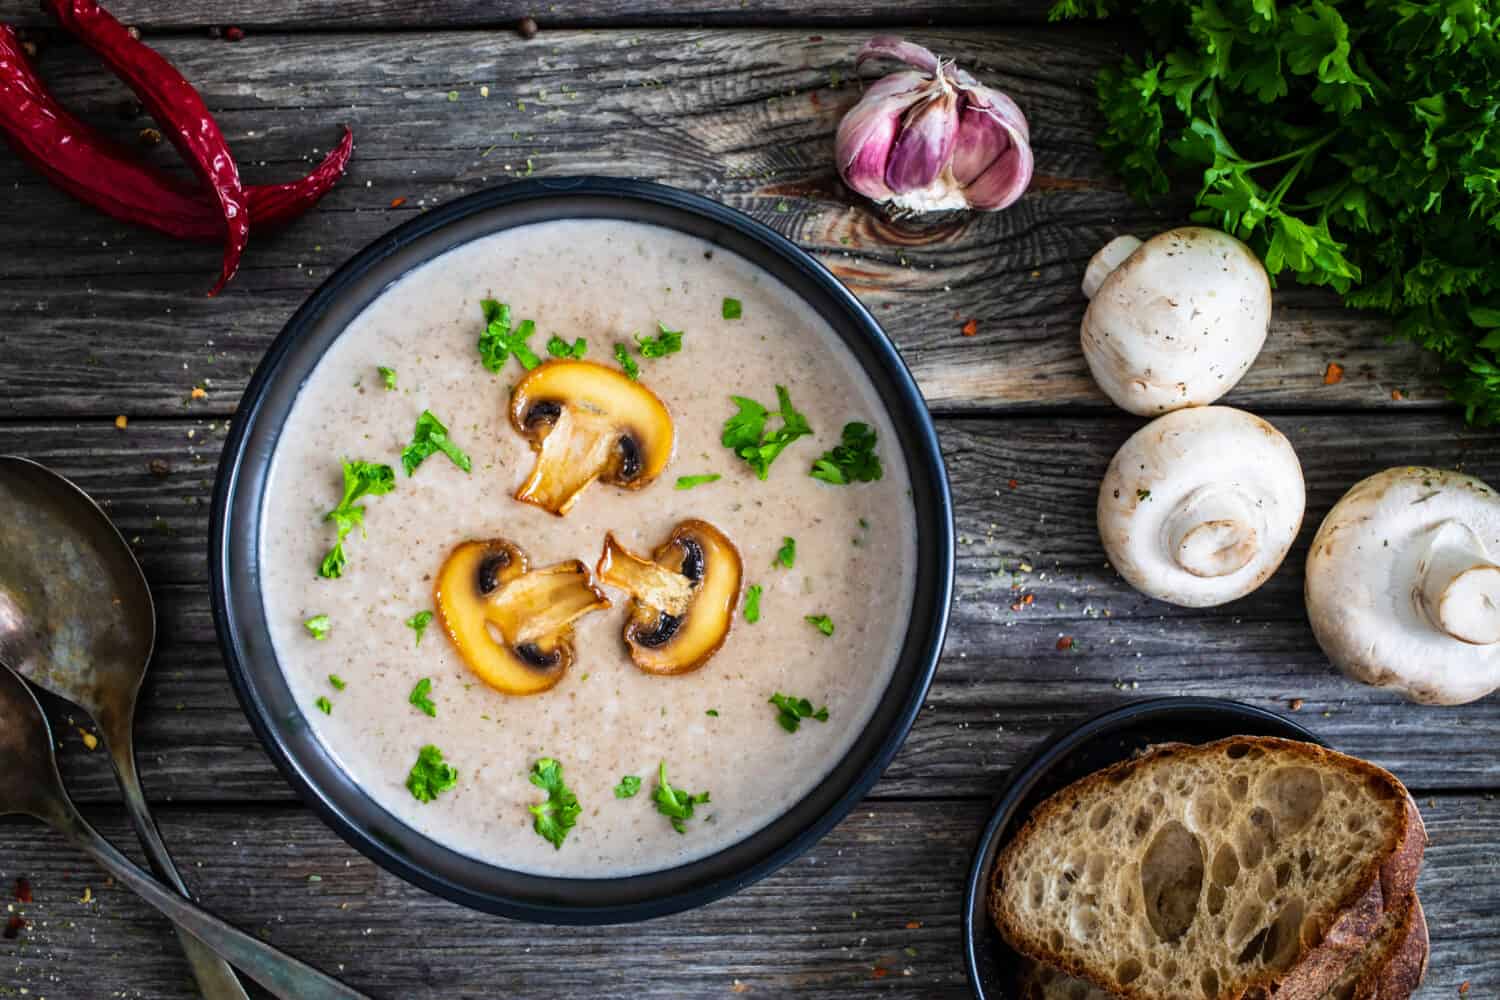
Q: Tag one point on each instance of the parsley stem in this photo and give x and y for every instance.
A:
(1301, 151)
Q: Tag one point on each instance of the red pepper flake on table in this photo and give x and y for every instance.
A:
(971, 328)
(13, 927)
(23, 890)
(1333, 374)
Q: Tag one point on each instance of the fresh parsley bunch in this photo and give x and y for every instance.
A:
(1352, 144)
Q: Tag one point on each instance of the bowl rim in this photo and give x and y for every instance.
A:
(1049, 754)
(556, 899)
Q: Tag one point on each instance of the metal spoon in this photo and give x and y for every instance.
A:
(30, 784)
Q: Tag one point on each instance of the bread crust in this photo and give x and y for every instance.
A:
(1397, 974)
(1330, 946)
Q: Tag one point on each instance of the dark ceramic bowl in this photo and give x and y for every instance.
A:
(278, 720)
(1098, 743)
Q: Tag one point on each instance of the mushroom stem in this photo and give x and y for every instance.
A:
(1458, 586)
(1211, 532)
(1103, 263)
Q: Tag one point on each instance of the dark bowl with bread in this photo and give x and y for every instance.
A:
(1196, 849)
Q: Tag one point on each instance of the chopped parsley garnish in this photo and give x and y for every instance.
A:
(688, 482)
(429, 436)
(712, 712)
(622, 355)
(324, 705)
(499, 341)
(752, 603)
(418, 623)
(665, 342)
(628, 786)
(338, 682)
(674, 803)
(786, 556)
(387, 376)
(791, 711)
(318, 626)
(732, 308)
(745, 433)
(419, 697)
(559, 348)
(556, 816)
(360, 479)
(822, 623)
(853, 461)
(430, 776)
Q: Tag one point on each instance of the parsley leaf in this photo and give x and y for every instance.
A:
(674, 803)
(559, 814)
(430, 776)
(318, 626)
(559, 348)
(822, 623)
(732, 308)
(791, 711)
(628, 786)
(745, 432)
(752, 603)
(360, 479)
(688, 482)
(429, 436)
(712, 712)
(786, 556)
(418, 623)
(337, 682)
(665, 342)
(324, 705)
(853, 461)
(499, 341)
(419, 697)
(622, 355)
(387, 376)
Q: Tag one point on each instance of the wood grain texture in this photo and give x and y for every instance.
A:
(834, 924)
(97, 318)
(1003, 684)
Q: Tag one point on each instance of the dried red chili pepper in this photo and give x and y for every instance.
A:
(177, 108)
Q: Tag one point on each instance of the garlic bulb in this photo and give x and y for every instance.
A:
(932, 138)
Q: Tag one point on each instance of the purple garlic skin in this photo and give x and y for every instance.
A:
(933, 138)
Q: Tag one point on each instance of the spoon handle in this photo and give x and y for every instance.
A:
(216, 980)
(285, 976)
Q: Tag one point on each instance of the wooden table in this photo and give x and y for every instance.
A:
(737, 99)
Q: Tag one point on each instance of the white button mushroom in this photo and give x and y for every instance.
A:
(1175, 321)
(1200, 506)
(1403, 584)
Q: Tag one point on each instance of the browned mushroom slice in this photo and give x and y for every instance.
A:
(513, 627)
(683, 596)
(587, 422)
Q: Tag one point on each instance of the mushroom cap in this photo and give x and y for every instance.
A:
(1200, 506)
(1403, 561)
(1178, 322)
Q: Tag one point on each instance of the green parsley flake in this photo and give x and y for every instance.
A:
(674, 803)
(752, 603)
(558, 815)
(791, 711)
(499, 342)
(337, 682)
(559, 348)
(745, 433)
(732, 308)
(786, 556)
(360, 479)
(688, 482)
(822, 623)
(324, 705)
(628, 786)
(318, 626)
(665, 342)
(430, 436)
(418, 697)
(853, 461)
(622, 355)
(418, 623)
(712, 713)
(430, 776)
(387, 376)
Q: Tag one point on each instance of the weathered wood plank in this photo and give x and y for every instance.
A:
(1003, 685)
(876, 909)
(97, 318)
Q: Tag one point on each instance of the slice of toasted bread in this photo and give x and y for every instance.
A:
(1216, 871)
(1042, 982)
(1392, 966)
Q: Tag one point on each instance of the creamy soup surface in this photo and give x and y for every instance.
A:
(602, 280)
